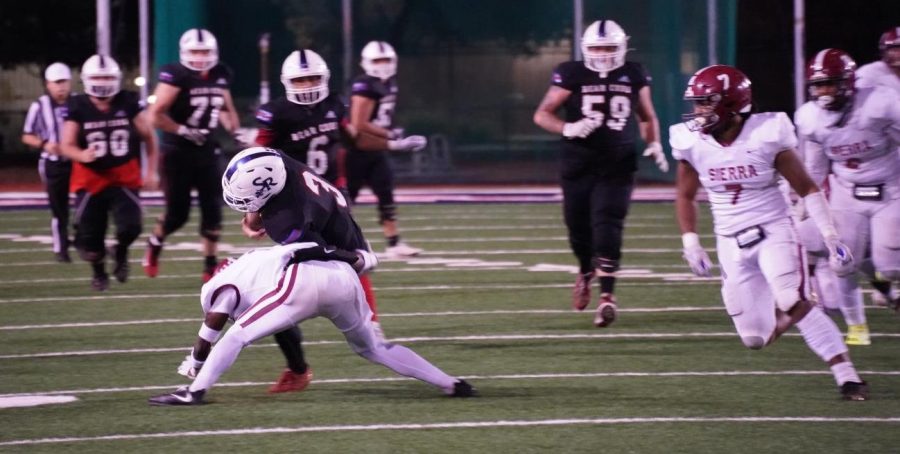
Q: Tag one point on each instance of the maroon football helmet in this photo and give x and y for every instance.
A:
(890, 40)
(722, 92)
(831, 66)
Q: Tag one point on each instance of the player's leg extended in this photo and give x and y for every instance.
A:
(822, 279)
(350, 314)
(886, 240)
(176, 186)
(852, 223)
(576, 213)
(209, 194)
(57, 186)
(783, 263)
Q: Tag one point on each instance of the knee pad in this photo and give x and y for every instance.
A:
(211, 234)
(606, 265)
(386, 212)
(753, 342)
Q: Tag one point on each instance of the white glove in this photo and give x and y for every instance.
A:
(369, 261)
(581, 128)
(410, 143)
(197, 136)
(655, 151)
(246, 136)
(396, 133)
(840, 260)
(695, 255)
(190, 366)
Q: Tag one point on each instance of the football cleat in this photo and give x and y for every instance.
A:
(151, 259)
(208, 273)
(401, 250)
(606, 311)
(181, 396)
(856, 391)
(291, 381)
(858, 335)
(581, 293)
(100, 282)
(462, 388)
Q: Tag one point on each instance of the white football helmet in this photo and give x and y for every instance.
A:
(377, 50)
(252, 177)
(198, 39)
(305, 63)
(604, 33)
(101, 76)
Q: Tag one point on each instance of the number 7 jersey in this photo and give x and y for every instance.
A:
(740, 179)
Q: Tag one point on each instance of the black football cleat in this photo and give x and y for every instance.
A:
(462, 388)
(856, 391)
(181, 396)
(100, 282)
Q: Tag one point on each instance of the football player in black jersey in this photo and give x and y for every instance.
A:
(101, 136)
(373, 97)
(598, 157)
(309, 124)
(192, 99)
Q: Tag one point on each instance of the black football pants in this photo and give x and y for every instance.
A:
(594, 208)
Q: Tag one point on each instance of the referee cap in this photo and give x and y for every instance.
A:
(57, 71)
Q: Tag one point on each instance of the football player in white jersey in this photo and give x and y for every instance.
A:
(887, 70)
(738, 158)
(853, 133)
(271, 289)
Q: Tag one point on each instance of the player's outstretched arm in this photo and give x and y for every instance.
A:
(209, 333)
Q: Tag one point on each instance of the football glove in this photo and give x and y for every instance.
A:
(654, 151)
(840, 260)
(190, 367)
(195, 135)
(581, 128)
(695, 255)
(246, 137)
(410, 143)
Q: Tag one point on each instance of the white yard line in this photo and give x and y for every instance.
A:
(463, 425)
(545, 376)
(471, 338)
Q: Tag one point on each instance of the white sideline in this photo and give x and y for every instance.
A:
(458, 425)
(499, 337)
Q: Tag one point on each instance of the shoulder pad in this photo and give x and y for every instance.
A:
(682, 138)
(805, 118)
(773, 128)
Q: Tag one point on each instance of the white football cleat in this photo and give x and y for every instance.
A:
(402, 250)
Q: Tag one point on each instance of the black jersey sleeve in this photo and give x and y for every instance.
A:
(640, 76)
(365, 86)
(173, 74)
(131, 103)
(563, 76)
(75, 108)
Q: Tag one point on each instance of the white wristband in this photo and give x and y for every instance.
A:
(208, 334)
(197, 363)
(690, 240)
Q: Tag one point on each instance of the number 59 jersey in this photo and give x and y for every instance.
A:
(740, 179)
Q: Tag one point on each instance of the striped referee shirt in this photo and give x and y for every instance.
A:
(45, 119)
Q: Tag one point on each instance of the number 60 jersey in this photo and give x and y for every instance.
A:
(740, 179)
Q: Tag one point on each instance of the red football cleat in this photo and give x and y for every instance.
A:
(151, 259)
(581, 293)
(291, 381)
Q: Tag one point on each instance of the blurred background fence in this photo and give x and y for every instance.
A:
(471, 72)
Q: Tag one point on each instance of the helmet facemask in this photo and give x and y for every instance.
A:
(305, 64)
(101, 77)
(603, 46)
(198, 50)
(707, 117)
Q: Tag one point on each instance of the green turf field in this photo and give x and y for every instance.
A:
(489, 301)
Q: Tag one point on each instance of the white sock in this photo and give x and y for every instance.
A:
(821, 334)
(406, 362)
(223, 355)
(844, 372)
(851, 301)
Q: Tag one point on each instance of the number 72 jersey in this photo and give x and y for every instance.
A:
(740, 179)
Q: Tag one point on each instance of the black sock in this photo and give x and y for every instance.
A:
(99, 268)
(289, 341)
(393, 240)
(209, 262)
(607, 284)
(883, 287)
